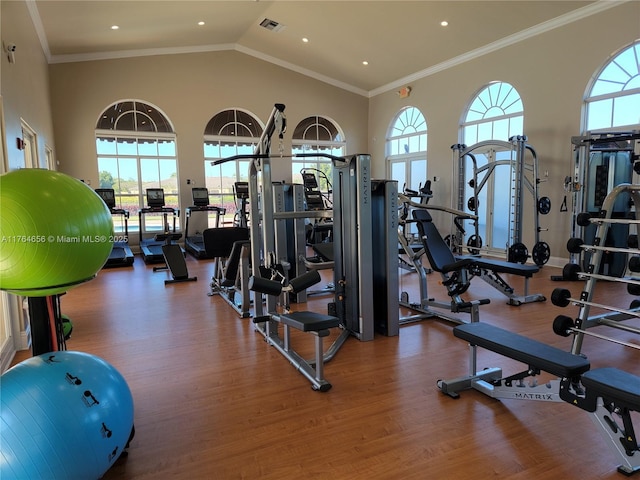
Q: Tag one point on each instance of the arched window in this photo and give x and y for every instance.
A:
(136, 148)
(230, 132)
(496, 112)
(406, 149)
(612, 100)
(316, 134)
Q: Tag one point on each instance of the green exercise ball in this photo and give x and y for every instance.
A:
(55, 232)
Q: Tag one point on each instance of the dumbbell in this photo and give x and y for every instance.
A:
(574, 245)
(583, 219)
(565, 326)
(560, 297)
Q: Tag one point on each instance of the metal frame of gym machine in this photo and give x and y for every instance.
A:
(365, 218)
(583, 181)
(524, 176)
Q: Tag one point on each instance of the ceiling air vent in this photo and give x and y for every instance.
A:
(271, 25)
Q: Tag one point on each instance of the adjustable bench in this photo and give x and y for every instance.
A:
(605, 392)
(457, 270)
(536, 355)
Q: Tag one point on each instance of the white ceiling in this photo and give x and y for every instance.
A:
(401, 40)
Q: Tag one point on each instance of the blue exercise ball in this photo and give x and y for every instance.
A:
(63, 415)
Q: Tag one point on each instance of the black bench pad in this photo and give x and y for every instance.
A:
(500, 266)
(614, 384)
(309, 321)
(536, 354)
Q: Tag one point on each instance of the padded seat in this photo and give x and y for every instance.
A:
(309, 321)
(531, 352)
(614, 384)
(218, 242)
(502, 266)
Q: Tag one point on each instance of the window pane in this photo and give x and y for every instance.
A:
(149, 172)
(128, 174)
(168, 176)
(398, 174)
(126, 122)
(127, 146)
(485, 131)
(470, 134)
(418, 174)
(148, 147)
(599, 114)
(516, 126)
(501, 129)
(626, 110)
(167, 148)
(105, 146)
(107, 172)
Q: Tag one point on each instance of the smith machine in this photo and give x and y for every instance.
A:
(365, 224)
(514, 162)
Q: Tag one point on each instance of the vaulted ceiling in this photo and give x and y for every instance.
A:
(400, 40)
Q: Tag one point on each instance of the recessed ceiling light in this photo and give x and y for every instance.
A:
(114, 27)
(305, 39)
(200, 23)
(444, 23)
(365, 62)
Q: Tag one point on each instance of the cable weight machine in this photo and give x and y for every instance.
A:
(357, 279)
(601, 162)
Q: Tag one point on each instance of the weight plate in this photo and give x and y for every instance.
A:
(544, 205)
(474, 241)
(541, 253)
(518, 253)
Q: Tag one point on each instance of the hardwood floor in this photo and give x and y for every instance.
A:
(213, 400)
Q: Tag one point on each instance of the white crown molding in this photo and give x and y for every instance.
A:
(37, 24)
(144, 52)
(302, 71)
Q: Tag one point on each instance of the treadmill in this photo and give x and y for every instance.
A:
(121, 255)
(194, 244)
(320, 230)
(151, 247)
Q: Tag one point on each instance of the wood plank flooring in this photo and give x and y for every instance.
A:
(213, 400)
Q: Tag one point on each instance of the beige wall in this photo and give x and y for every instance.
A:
(190, 89)
(24, 85)
(551, 73)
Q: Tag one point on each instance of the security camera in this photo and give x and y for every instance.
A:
(10, 48)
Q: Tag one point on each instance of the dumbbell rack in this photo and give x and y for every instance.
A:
(524, 177)
(564, 325)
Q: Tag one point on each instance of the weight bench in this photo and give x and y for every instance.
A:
(536, 355)
(310, 322)
(611, 395)
(457, 271)
(605, 392)
(230, 248)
